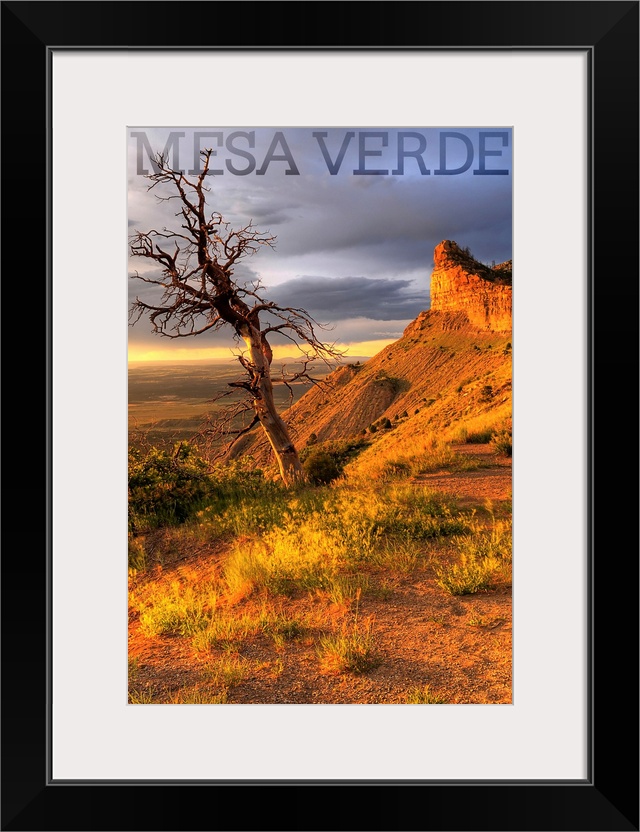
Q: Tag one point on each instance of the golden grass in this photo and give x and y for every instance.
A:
(424, 696)
(199, 695)
(483, 560)
(180, 607)
(399, 453)
(351, 648)
(227, 671)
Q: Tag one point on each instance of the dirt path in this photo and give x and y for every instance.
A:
(493, 482)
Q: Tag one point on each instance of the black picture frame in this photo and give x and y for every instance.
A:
(608, 798)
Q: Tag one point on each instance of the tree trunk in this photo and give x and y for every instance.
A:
(274, 427)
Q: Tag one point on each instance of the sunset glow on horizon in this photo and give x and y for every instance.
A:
(141, 354)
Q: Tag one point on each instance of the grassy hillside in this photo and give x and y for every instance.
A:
(386, 579)
(444, 380)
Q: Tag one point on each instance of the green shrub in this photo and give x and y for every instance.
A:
(479, 437)
(321, 467)
(324, 462)
(165, 488)
(168, 488)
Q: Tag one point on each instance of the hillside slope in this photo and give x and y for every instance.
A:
(450, 369)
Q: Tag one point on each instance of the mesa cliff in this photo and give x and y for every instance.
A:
(459, 283)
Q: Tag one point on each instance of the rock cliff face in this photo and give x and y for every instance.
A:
(460, 283)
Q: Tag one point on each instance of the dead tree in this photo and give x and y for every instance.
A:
(197, 293)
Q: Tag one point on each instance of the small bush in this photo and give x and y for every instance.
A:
(321, 468)
(479, 437)
(424, 696)
(468, 576)
(350, 649)
(502, 442)
(325, 462)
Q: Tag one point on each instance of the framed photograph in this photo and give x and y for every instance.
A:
(101, 731)
(338, 442)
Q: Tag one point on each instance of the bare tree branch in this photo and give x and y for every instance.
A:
(193, 272)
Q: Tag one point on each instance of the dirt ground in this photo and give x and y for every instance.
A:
(458, 646)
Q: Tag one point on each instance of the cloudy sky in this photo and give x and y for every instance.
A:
(356, 212)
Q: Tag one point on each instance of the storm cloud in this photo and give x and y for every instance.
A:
(337, 299)
(354, 250)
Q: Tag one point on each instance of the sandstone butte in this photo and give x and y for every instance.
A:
(461, 284)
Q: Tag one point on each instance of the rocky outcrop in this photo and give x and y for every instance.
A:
(459, 283)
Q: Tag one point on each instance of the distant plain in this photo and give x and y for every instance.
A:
(169, 402)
